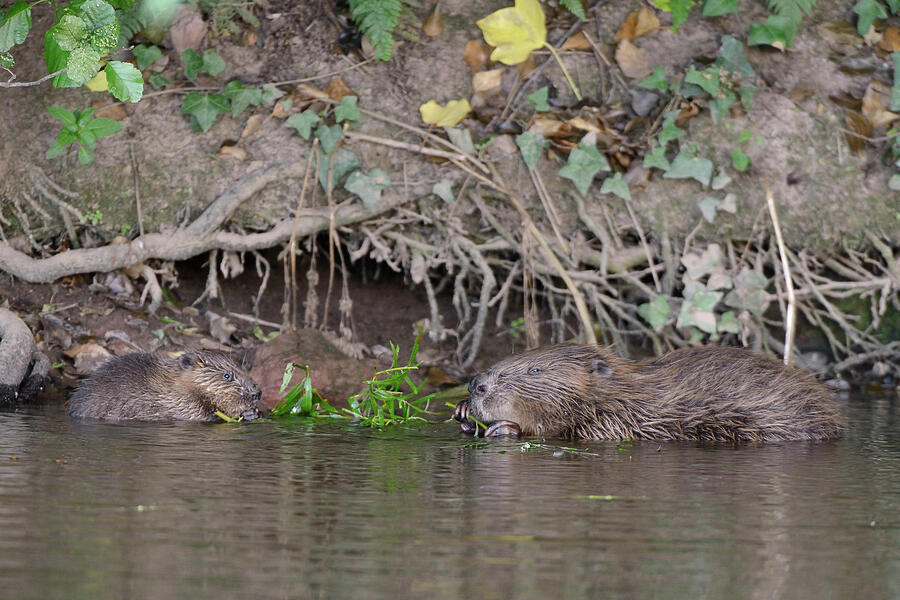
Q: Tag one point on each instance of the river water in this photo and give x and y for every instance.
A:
(325, 509)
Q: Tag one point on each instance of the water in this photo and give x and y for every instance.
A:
(321, 509)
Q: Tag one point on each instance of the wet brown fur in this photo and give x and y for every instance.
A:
(153, 387)
(707, 393)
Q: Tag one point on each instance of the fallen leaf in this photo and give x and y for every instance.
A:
(233, 152)
(487, 82)
(632, 60)
(187, 30)
(434, 23)
(890, 40)
(637, 24)
(626, 31)
(872, 37)
(475, 55)
(444, 116)
(87, 357)
(337, 89)
(252, 126)
(857, 123)
(577, 42)
(249, 38)
(550, 128)
(116, 112)
(514, 31)
(873, 108)
(98, 83)
(584, 125)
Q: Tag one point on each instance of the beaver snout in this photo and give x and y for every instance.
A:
(250, 414)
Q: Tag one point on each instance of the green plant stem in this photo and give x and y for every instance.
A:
(565, 72)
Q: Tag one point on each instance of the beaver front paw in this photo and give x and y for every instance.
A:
(503, 428)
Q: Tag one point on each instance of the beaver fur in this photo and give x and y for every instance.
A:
(153, 387)
(708, 393)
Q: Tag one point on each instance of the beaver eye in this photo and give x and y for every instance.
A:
(227, 376)
(534, 370)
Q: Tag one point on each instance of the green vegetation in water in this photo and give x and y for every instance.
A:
(228, 419)
(302, 399)
(529, 446)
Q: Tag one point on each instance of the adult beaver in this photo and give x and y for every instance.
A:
(708, 393)
(153, 387)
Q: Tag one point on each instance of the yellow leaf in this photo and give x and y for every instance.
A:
(98, 83)
(514, 31)
(444, 116)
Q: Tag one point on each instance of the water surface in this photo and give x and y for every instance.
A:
(325, 509)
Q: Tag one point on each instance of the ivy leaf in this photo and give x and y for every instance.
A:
(728, 323)
(241, 97)
(717, 8)
(213, 63)
(204, 108)
(158, 80)
(193, 63)
(697, 311)
(616, 185)
(531, 147)
(749, 292)
(329, 136)
(303, 122)
(125, 82)
(443, 189)
(146, 55)
(707, 80)
(732, 57)
(368, 187)
(538, 99)
(83, 63)
(656, 80)
(15, 25)
(740, 160)
(708, 208)
(699, 265)
(657, 158)
(514, 31)
(69, 32)
(868, 11)
(271, 93)
(347, 110)
(344, 161)
(670, 131)
(778, 32)
(685, 166)
(585, 161)
(655, 312)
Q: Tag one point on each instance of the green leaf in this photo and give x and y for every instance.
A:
(368, 187)
(728, 323)
(585, 161)
(347, 110)
(377, 20)
(681, 9)
(697, 311)
(717, 8)
(213, 63)
(708, 208)
(15, 25)
(303, 122)
(576, 8)
(868, 11)
(697, 265)
(707, 80)
(83, 63)
(655, 312)
(102, 127)
(531, 147)
(204, 108)
(720, 105)
(894, 5)
(64, 115)
(329, 137)
(670, 131)
(746, 92)
(85, 156)
(344, 162)
(749, 292)
(158, 80)
(84, 117)
(740, 160)
(241, 97)
(87, 138)
(538, 99)
(193, 63)
(56, 59)
(685, 166)
(125, 82)
(443, 189)
(657, 158)
(69, 32)
(271, 93)
(616, 185)
(7, 60)
(146, 55)
(732, 57)
(778, 31)
(895, 89)
(62, 140)
(656, 80)
(720, 180)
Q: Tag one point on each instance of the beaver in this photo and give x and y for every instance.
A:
(708, 393)
(153, 387)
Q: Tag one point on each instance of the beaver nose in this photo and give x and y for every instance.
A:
(250, 414)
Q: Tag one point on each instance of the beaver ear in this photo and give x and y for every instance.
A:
(600, 366)
(187, 361)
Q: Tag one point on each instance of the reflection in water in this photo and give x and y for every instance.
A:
(329, 510)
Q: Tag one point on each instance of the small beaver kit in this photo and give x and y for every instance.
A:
(708, 393)
(153, 387)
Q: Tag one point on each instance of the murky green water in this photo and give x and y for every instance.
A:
(328, 510)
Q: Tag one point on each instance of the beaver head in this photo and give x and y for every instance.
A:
(216, 381)
(543, 391)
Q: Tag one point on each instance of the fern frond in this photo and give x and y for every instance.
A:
(377, 20)
(794, 10)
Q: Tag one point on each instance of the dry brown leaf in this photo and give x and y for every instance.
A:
(646, 22)
(890, 41)
(871, 37)
(873, 108)
(87, 357)
(249, 38)
(434, 23)
(584, 125)
(626, 31)
(279, 111)
(802, 91)
(577, 42)
(233, 152)
(487, 82)
(632, 60)
(475, 55)
(337, 89)
(550, 128)
(526, 67)
(116, 112)
(857, 123)
(686, 114)
(187, 30)
(252, 126)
